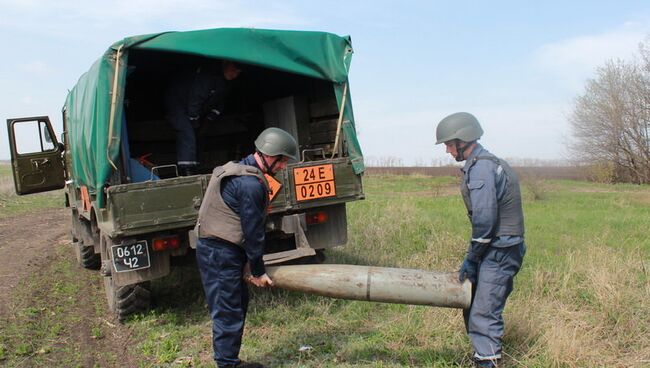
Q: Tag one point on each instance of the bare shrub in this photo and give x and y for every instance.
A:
(536, 187)
(602, 172)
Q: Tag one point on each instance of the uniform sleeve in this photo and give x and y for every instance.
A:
(252, 213)
(199, 93)
(216, 100)
(483, 195)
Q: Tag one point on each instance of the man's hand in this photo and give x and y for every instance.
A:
(468, 270)
(262, 281)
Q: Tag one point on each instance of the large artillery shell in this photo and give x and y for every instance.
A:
(377, 284)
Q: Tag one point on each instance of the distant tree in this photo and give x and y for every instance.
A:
(610, 122)
(383, 161)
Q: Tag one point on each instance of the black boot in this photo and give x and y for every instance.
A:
(243, 364)
(187, 170)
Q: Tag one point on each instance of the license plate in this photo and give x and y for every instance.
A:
(130, 257)
(314, 182)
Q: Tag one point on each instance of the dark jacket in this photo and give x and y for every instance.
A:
(194, 92)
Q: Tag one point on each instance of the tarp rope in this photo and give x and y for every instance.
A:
(113, 103)
(339, 123)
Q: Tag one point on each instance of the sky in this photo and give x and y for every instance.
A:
(516, 65)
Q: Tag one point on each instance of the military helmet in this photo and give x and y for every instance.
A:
(276, 142)
(461, 125)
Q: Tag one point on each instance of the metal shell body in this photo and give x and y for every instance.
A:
(377, 284)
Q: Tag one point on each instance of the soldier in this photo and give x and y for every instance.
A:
(193, 96)
(490, 189)
(231, 232)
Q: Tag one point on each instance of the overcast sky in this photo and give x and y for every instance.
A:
(517, 67)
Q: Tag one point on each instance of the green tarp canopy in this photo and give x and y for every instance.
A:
(94, 106)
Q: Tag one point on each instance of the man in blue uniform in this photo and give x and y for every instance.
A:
(231, 239)
(193, 96)
(490, 190)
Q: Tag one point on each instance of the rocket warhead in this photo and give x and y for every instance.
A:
(378, 284)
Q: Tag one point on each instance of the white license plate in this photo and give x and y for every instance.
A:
(130, 257)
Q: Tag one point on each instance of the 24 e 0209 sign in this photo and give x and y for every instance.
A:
(314, 182)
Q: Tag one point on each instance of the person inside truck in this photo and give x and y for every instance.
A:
(490, 190)
(193, 97)
(231, 238)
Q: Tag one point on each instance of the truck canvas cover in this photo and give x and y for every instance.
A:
(94, 106)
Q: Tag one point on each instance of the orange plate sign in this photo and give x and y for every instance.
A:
(314, 182)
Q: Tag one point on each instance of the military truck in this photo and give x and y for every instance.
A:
(130, 210)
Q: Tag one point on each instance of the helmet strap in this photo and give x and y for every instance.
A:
(273, 164)
(460, 151)
(268, 169)
(262, 162)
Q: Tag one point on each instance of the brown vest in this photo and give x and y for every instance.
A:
(216, 219)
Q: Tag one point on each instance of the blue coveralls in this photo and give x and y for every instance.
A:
(501, 261)
(190, 95)
(221, 264)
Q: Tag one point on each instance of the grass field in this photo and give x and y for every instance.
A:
(11, 204)
(580, 300)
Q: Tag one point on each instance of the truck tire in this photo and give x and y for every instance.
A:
(87, 257)
(85, 254)
(124, 301)
(319, 257)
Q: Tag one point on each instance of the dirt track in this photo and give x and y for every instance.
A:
(27, 244)
(32, 243)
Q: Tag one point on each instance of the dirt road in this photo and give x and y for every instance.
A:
(27, 243)
(34, 248)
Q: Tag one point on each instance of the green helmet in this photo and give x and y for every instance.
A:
(276, 142)
(461, 125)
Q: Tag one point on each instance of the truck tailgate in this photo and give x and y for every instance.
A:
(167, 204)
(155, 205)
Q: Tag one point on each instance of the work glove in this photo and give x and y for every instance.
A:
(468, 270)
(212, 115)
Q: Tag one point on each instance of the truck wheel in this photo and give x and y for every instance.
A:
(122, 300)
(85, 254)
(126, 300)
(87, 257)
(319, 257)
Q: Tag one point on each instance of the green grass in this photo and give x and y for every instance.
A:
(580, 300)
(46, 326)
(12, 204)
